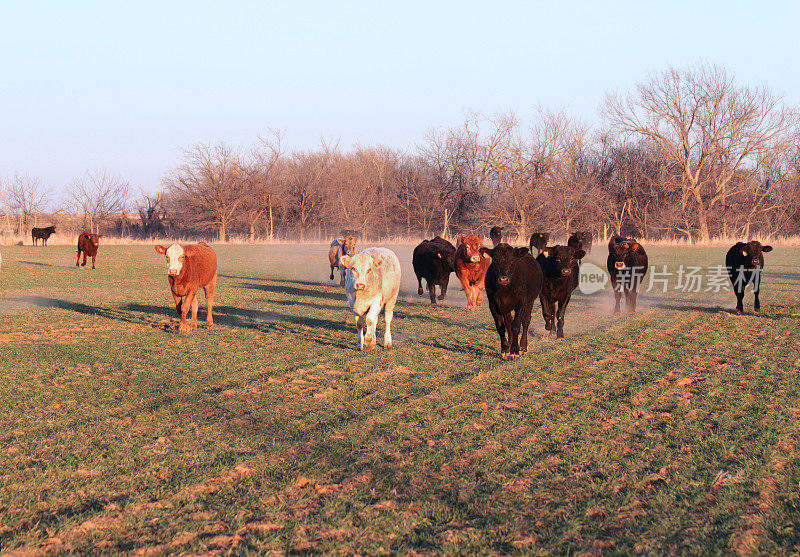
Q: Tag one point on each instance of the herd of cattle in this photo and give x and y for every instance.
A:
(511, 276)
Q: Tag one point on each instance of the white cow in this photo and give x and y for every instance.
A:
(372, 283)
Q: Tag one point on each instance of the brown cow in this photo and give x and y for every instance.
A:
(190, 268)
(471, 267)
(88, 244)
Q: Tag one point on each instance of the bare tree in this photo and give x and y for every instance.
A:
(709, 127)
(28, 198)
(152, 214)
(263, 174)
(98, 195)
(207, 190)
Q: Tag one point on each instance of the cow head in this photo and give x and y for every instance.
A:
(560, 260)
(503, 257)
(95, 239)
(496, 234)
(624, 252)
(364, 272)
(472, 246)
(752, 251)
(539, 240)
(348, 246)
(176, 257)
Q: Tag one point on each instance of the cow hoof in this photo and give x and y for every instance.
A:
(504, 355)
(209, 324)
(515, 356)
(183, 329)
(387, 344)
(756, 309)
(419, 291)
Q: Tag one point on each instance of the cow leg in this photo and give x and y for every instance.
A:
(419, 282)
(178, 303)
(188, 302)
(93, 258)
(617, 299)
(500, 325)
(757, 304)
(431, 290)
(515, 325)
(388, 314)
(562, 309)
(209, 290)
(194, 313)
(331, 277)
(361, 325)
(443, 288)
(371, 318)
(78, 262)
(479, 286)
(84, 260)
(527, 309)
(630, 301)
(548, 310)
(342, 275)
(467, 290)
(740, 299)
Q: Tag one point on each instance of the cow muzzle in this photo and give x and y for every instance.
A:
(475, 258)
(504, 281)
(172, 272)
(360, 286)
(619, 265)
(756, 262)
(566, 272)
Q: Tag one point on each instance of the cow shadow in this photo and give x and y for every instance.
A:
(40, 264)
(291, 288)
(767, 312)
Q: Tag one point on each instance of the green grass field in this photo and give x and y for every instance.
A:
(674, 430)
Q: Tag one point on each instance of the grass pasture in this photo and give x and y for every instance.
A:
(674, 430)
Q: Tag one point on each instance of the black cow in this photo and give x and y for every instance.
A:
(42, 234)
(539, 241)
(627, 265)
(433, 261)
(744, 263)
(496, 235)
(513, 281)
(561, 275)
(580, 240)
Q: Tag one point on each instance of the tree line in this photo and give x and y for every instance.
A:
(686, 153)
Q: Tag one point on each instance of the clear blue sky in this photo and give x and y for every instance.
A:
(127, 85)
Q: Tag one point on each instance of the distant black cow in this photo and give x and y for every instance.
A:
(580, 240)
(561, 275)
(539, 241)
(42, 234)
(627, 265)
(496, 235)
(745, 263)
(433, 260)
(513, 281)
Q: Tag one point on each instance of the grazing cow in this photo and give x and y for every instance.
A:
(561, 275)
(88, 244)
(344, 245)
(433, 261)
(471, 266)
(539, 241)
(42, 234)
(190, 268)
(745, 263)
(513, 282)
(372, 283)
(496, 235)
(627, 265)
(580, 240)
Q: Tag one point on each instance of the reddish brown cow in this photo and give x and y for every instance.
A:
(190, 268)
(471, 267)
(88, 244)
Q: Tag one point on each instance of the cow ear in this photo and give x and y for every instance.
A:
(160, 249)
(520, 252)
(99, 236)
(346, 261)
(340, 240)
(486, 252)
(579, 254)
(744, 252)
(766, 248)
(546, 252)
(439, 254)
(189, 251)
(635, 247)
(377, 262)
(461, 239)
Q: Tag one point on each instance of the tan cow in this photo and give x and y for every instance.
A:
(471, 266)
(344, 245)
(372, 282)
(190, 268)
